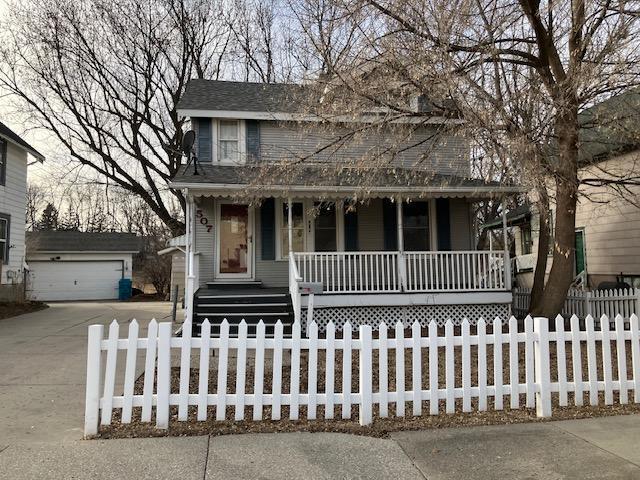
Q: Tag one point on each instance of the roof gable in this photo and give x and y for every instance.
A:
(11, 136)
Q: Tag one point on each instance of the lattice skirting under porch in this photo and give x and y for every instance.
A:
(407, 314)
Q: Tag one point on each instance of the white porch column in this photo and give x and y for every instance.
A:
(402, 263)
(507, 260)
(290, 223)
(189, 259)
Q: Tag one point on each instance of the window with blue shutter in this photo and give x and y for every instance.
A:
(253, 140)
(443, 222)
(268, 229)
(389, 224)
(204, 139)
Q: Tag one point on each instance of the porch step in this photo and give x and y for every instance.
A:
(242, 303)
(235, 284)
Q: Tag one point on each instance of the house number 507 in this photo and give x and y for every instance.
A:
(203, 220)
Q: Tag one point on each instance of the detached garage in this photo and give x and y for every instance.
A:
(78, 265)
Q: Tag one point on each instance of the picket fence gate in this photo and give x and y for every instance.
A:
(582, 303)
(530, 379)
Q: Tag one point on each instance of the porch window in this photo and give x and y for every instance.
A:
(229, 140)
(416, 226)
(326, 232)
(297, 228)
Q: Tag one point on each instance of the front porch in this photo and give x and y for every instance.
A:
(408, 250)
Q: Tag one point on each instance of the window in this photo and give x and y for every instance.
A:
(325, 228)
(3, 162)
(297, 228)
(5, 221)
(415, 217)
(525, 239)
(229, 139)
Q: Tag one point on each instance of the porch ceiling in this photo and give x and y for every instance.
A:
(315, 181)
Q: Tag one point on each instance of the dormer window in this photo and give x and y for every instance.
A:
(229, 140)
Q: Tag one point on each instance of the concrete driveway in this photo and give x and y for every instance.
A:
(43, 366)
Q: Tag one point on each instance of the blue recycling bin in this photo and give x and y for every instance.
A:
(124, 289)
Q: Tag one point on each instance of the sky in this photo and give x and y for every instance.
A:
(38, 173)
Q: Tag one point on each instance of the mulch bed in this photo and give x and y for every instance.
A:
(13, 309)
(381, 427)
(147, 297)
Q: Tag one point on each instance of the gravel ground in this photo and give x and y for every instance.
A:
(381, 426)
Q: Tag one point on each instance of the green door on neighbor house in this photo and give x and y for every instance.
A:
(580, 254)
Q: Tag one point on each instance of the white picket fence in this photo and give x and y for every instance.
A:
(453, 352)
(582, 303)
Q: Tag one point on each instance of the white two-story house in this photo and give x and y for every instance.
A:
(274, 214)
(14, 153)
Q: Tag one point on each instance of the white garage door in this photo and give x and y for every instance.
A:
(75, 280)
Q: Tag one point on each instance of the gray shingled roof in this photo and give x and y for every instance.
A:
(69, 241)
(321, 176)
(240, 96)
(7, 133)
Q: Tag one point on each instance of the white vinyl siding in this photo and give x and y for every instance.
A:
(13, 204)
(611, 223)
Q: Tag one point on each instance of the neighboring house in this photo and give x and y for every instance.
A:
(14, 153)
(607, 246)
(67, 265)
(175, 248)
(404, 253)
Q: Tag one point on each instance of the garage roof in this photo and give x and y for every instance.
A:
(63, 241)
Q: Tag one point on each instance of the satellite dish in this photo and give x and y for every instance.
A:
(188, 140)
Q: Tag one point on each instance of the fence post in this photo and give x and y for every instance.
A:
(164, 375)
(366, 375)
(542, 366)
(94, 372)
(587, 304)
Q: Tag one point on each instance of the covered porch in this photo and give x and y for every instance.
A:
(391, 246)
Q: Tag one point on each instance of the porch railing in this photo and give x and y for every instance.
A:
(350, 272)
(455, 271)
(389, 272)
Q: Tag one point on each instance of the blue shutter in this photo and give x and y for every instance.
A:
(204, 139)
(253, 140)
(351, 231)
(443, 222)
(389, 221)
(268, 229)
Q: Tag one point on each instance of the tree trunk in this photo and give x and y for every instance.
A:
(543, 253)
(566, 171)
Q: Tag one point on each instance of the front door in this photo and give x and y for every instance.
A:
(234, 245)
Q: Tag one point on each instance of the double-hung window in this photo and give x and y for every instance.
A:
(229, 140)
(325, 226)
(4, 237)
(415, 217)
(297, 228)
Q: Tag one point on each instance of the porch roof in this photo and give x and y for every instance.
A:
(331, 180)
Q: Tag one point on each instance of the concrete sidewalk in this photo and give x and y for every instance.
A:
(602, 448)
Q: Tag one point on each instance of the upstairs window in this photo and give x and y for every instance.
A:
(3, 162)
(229, 140)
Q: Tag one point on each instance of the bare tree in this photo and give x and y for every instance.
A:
(104, 78)
(518, 71)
